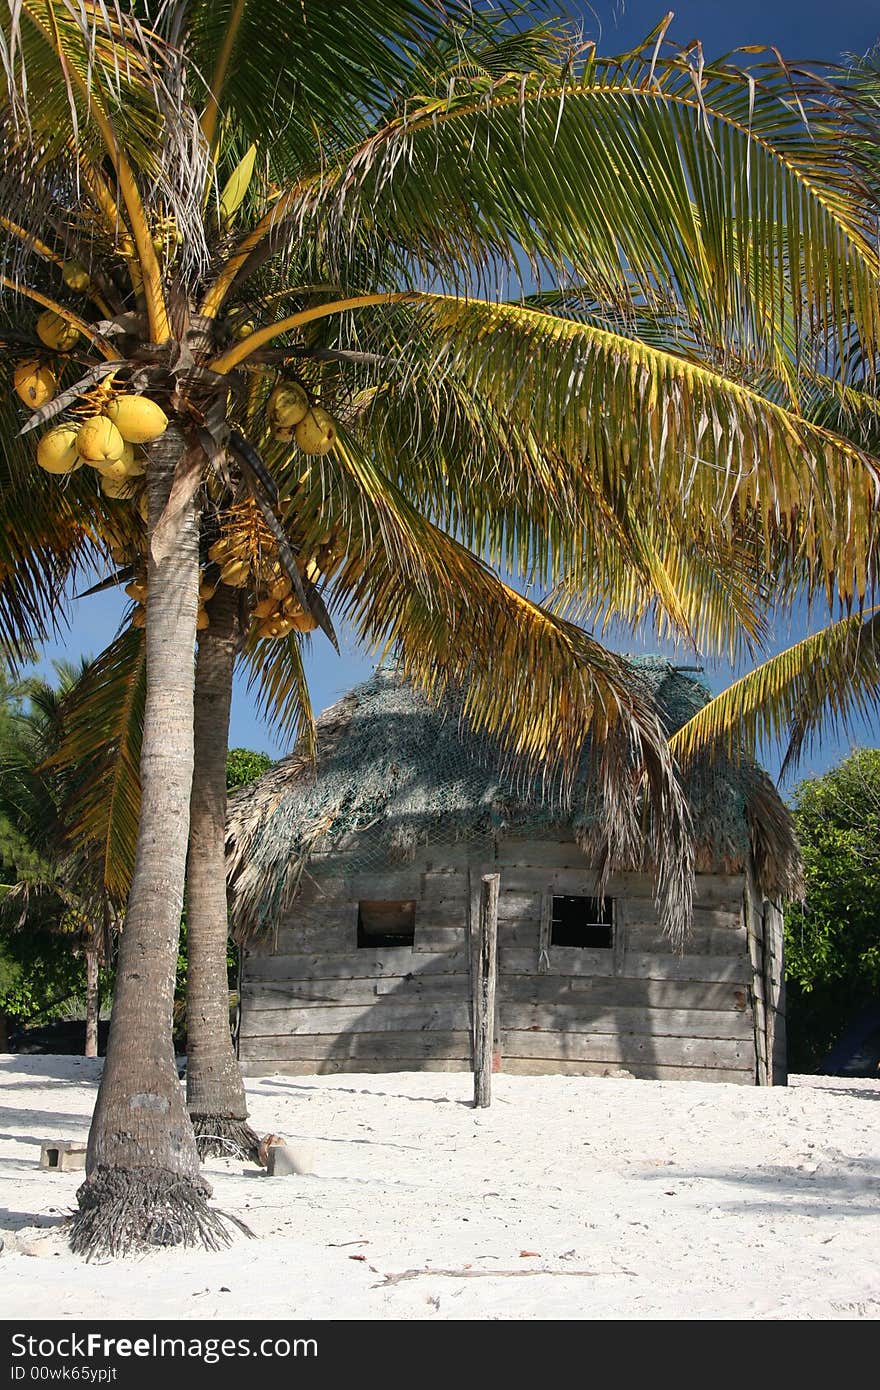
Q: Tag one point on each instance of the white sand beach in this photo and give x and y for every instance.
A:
(572, 1197)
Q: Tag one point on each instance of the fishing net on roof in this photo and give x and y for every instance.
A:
(397, 775)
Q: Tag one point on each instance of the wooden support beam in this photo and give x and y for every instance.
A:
(485, 961)
(545, 931)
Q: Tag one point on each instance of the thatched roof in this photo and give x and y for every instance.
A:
(395, 772)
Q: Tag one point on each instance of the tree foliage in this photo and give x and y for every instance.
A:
(45, 905)
(244, 765)
(833, 941)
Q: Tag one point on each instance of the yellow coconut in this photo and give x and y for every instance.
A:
(139, 617)
(312, 571)
(56, 451)
(280, 587)
(202, 619)
(137, 419)
(303, 622)
(76, 277)
(99, 441)
(56, 332)
(34, 383)
(244, 330)
(115, 472)
(267, 608)
(235, 573)
(117, 488)
(274, 627)
(316, 432)
(288, 404)
(128, 465)
(207, 590)
(137, 590)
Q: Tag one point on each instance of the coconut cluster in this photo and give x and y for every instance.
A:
(108, 427)
(277, 610)
(107, 439)
(293, 418)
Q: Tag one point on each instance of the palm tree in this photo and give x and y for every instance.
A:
(421, 148)
(58, 885)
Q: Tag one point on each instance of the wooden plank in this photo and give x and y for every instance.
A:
(485, 959)
(276, 994)
(406, 1043)
(406, 882)
(710, 890)
(363, 1066)
(700, 941)
(589, 1018)
(307, 939)
(516, 907)
(379, 962)
(717, 969)
(428, 939)
(385, 1016)
(444, 887)
(728, 915)
(656, 994)
(326, 916)
(641, 1071)
(620, 1050)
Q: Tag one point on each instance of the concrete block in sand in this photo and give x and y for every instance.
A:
(63, 1155)
(287, 1160)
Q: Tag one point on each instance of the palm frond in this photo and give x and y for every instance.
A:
(545, 690)
(100, 755)
(654, 175)
(277, 675)
(661, 429)
(815, 685)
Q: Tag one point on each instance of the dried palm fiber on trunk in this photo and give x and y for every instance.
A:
(395, 772)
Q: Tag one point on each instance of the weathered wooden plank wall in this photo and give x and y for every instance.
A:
(317, 1003)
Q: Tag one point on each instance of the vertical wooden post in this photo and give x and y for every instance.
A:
(545, 931)
(485, 962)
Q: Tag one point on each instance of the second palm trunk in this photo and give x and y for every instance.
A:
(214, 1087)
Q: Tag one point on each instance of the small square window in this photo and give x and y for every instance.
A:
(386, 923)
(584, 922)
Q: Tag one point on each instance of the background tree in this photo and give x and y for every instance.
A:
(832, 940)
(54, 909)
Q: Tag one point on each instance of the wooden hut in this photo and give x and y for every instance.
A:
(354, 888)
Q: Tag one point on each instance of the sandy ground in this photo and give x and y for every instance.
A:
(572, 1197)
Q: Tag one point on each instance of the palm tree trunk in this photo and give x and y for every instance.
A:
(92, 997)
(214, 1087)
(143, 1185)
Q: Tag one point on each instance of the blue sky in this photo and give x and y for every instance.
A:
(802, 29)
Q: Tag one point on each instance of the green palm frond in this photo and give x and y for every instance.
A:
(100, 755)
(277, 675)
(817, 684)
(43, 541)
(547, 691)
(319, 75)
(642, 175)
(662, 430)
(690, 584)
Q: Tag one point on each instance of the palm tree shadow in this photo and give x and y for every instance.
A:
(782, 1189)
(17, 1220)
